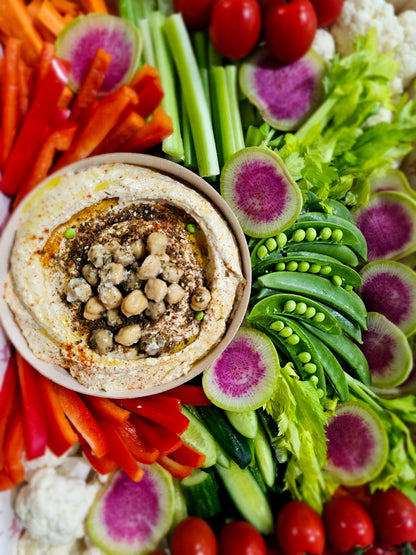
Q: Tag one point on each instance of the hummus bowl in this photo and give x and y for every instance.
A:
(123, 275)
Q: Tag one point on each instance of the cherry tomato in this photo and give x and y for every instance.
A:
(347, 524)
(300, 529)
(240, 538)
(380, 550)
(327, 11)
(235, 27)
(394, 517)
(193, 536)
(195, 13)
(289, 28)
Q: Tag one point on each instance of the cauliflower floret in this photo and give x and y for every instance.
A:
(52, 508)
(406, 52)
(324, 44)
(29, 546)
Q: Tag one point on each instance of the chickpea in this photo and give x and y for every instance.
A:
(157, 243)
(110, 296)
(174, 294)
(134, 303)
(112, 245)
(101, 341)
(155, 310)
(200, 299)
(138, 248)
(123, 255)
(98, 255)
(113, 273)
(113, 317)
(172, 273)
(150, 267)
(128, 335)
(155, 289)
(152, 346)
(94, 309)
(78, 290)
(90, 273)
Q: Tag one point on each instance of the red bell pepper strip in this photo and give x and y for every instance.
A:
(35, 127)
(7, 399)
(152, 133)
(150, 97)
(156, 435)
(168, 401)
(106, 408)
(10, 107)
(5, 482)
(82, 420)
(120, 133)
(47, 54)
(189, 456)
(34, 422)
(176, 469)
(61, 435)
(102, 119)
(154, 408)
(190, 395)
(103, 465)
(120, 452)
(13, 450)
(138, 447)
(143, 76)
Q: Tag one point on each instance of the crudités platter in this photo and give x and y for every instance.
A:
(275, 141)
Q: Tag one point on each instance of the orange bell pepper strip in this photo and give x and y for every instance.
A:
(120, 452)
(5, 482)
(103, 465)
(156, 435)
(150, 97)
(120, 133)
(92, 82)
(154, 408)
(13, 450)
(34, 422)
(107, 409)
(61, 435)
(82, 420)
(189, 456)
(103, 118)
(10, 106)
(152, 133)
(135, 443)
(176, 469)
(7, 399)
(190, 395)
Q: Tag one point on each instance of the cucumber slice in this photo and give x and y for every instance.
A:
(244, 422)
(264, 456)
(201, 494)
(197, 436)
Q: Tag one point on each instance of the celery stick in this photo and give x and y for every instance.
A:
(214, 57)
(196, 104)
(224, 111)
(231, 77)
(165, 6)
(128, 10)
(172, 145)
(200, 41)
(188, 143)
(148, 52)
(145, 8)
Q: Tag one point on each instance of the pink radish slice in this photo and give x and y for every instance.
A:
(393, 180)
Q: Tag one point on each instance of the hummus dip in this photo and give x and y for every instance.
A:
(123, 276)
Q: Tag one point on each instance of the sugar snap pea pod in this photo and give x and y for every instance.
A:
(331, 366)
(312, 219)
(268, 261)
(348, 351)
(348, 326)
(298, 307)
(318, 288)
(263, 292)
(343, 253)
(253, 256)
(302, 353)
(339, 209)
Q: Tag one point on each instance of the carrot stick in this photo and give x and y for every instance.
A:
(102, 119)
(33, 8)
(25, 88)
(120, 133)
(66, 98)
(46, 56)
(95, 6)
(67, 7)
(153, 132)
(10, 98)
(49, 18)
(91, 83)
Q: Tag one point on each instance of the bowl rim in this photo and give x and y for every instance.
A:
(61, 375)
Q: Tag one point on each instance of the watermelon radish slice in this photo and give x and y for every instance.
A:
(130, 518)
(259, 189)
(244, 376)
(285, 94)
(388, 222)
(393, 180)
(387, 352)
(357, 444)
(80, 39)
(389, 287)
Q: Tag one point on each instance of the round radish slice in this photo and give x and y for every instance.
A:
(388, 225)
(393, 180)
(357, 444)
(132, 517)
(244, 376)
(389, 287)
(257, 186)
(387, 352)
(81, 38)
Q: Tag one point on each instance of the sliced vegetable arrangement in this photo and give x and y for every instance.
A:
(300, 437)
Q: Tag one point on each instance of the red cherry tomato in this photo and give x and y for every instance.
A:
(300, 529)
(327, 11)
(394, 517)
(347, 524)
(380, 550)
(235, 27)
(195, 13)
(289, 28)
(240, 538)
(193, 536)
